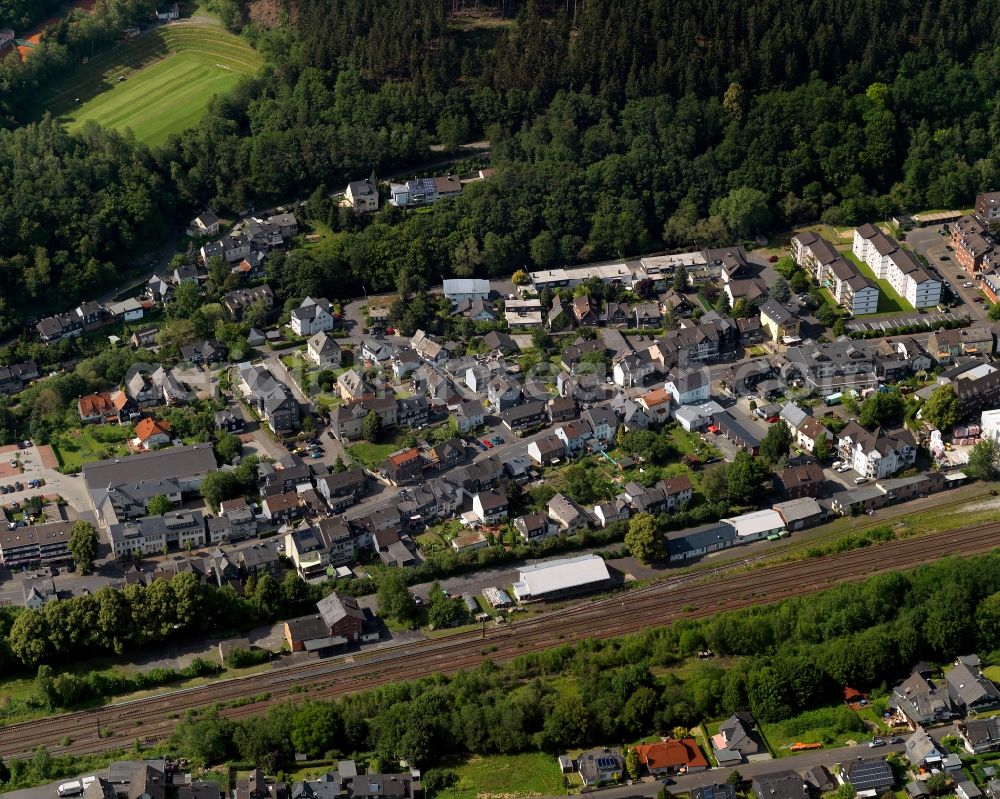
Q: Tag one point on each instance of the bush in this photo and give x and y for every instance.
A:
(241, 658)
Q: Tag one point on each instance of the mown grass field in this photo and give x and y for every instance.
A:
(170, 75)
(506, 777)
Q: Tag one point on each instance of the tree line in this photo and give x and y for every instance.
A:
(113, 621)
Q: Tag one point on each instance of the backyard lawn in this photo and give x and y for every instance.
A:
(92, 443)
(371, 455)
(506, 777)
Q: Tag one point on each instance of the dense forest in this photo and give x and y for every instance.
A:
(22, 14)
(616, 128)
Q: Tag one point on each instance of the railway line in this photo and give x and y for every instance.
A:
(730, 587)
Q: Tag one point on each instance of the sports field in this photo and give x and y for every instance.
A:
(169, 75)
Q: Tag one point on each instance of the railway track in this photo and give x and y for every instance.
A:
(729, 588)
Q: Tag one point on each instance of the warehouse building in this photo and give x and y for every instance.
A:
(559, 579)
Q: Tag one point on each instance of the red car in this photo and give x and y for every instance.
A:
(487, 443)
(772, 419)
(390, 331)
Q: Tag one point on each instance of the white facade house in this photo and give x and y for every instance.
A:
(362, 195)
(688, 386)
(312, 316)
(875, 455)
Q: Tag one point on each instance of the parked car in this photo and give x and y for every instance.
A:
(860, 480)
(968, 284)
(896, 739)
(874, 742)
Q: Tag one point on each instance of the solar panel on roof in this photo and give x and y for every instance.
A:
(606, 763)
(868, 775)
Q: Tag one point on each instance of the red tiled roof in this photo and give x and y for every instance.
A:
(672, 754)
(150, 427)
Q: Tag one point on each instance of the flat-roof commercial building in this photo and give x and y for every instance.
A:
(563, 578)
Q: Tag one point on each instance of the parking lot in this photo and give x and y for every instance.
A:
(34, 463)
(936, 248)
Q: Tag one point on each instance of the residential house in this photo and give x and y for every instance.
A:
(40, 543)
(144, 336)
(567, 514)
(347, 420)
(362, 195)
(647, 315)
(490, 506)
(618, 314)
(97, 408)
(428, 348)
(353, 387)
(561, 409)
(603, 423)
(343, 489)
(15, 377)
(869, 776)
(502, 394)
(459, 289)
(809, 432)
(236, 302)
(447, 454)
(533, 526)
(608, 512)
(128, 310)
(126, 411)
(672, 756)
(737, 740)
(468, 416)
(919, 702)
(151, 433)
(688, 386)
(207, 352)
(497, 341)
(778, 321)
(477, 310)
(324, 351)
(876, 454)
(795, 482)
(404, 465)
(159, 289)
(523, 313)
(546, 450)
(634, 369)
(975, 339)
(922, 751)
(523, 417)
(229, 420)
(718, 791)
(412, 411)
(178, 529)
(574, 436)
(785, 784)
(57, 328)
(141, 390)
(269, 397)
(342, 616)
(205, 225)
(971, 691)
(655, 405)
(235, 522)
(600, 767)
(169, 387)
(312, 316)
(980, 735)
(375, 350)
